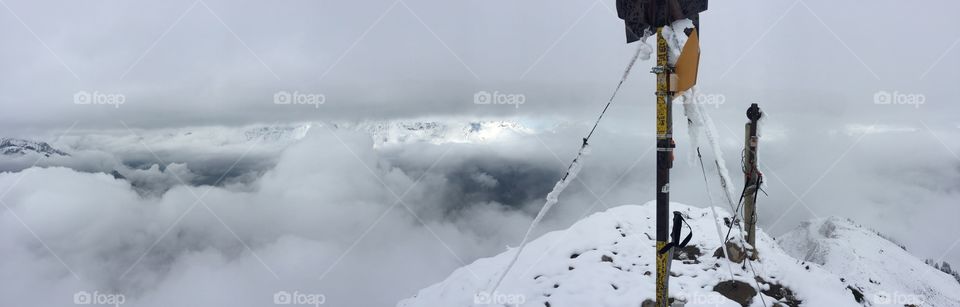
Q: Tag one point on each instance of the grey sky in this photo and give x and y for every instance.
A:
(219, 62)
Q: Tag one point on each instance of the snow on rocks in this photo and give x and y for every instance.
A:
(884, 273)
(607, 259)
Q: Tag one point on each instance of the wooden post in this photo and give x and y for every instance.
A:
(751, 176)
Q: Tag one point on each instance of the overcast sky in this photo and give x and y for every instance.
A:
(220, 62)
(817, 67)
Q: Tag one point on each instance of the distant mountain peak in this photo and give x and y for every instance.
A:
(399, 132)
(276, 133)
(19, 147)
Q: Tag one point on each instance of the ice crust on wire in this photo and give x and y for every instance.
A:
(552, 198)
(643, 52)
(699, 121)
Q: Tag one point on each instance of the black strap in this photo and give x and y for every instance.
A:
(675, 236)
(686, 240)
(665, 248)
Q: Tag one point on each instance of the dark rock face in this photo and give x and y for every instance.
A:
(688, 254)
(857, 294)
(737, 291)
(736, 252)
(117, 175)
(784, 296)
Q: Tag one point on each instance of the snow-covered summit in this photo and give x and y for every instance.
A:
(607, 259)
(882, 270)
(12, 146)
(277, 133)
(190, 139)
(262, 134)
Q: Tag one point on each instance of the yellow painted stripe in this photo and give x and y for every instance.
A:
(662, 275)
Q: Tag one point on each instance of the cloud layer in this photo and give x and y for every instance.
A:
(326, 218)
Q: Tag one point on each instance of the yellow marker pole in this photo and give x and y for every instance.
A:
(665, 147)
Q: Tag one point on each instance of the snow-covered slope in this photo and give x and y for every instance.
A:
(11, 146)
(886, 273)
(607, 259)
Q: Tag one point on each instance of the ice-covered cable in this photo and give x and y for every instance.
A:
(552, 198)
(644, 51)
(700, 122)
(716, 218)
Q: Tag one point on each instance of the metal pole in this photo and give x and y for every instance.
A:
(665, 147)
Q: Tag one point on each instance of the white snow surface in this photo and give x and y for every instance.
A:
(886, 273)
(548, 272)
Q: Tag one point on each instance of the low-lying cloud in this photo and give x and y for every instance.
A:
(333, 217)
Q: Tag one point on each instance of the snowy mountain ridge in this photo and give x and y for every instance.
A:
(607, 259)
(871, 264)
(277, 133)
(19, 147)
(388, 133)
(266, 134)
(385, 133)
